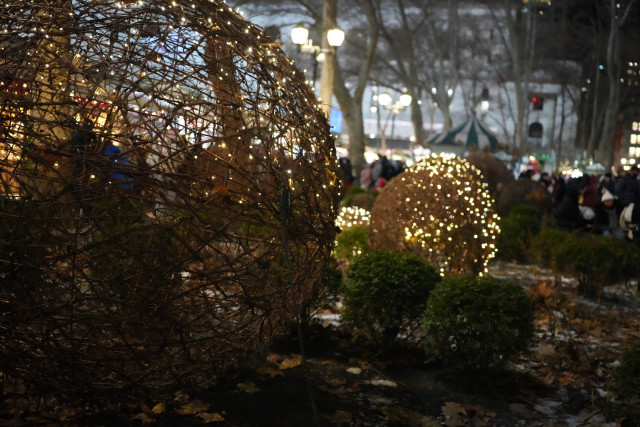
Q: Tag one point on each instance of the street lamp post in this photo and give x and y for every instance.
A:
(325, 54)
(385, 100)
(484, 102)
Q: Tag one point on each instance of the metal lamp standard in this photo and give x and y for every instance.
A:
(334, 39)
(386, 101)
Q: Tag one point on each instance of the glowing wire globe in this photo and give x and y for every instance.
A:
(438, 209)
(146, 151)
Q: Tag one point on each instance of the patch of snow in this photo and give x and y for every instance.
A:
(547, 407)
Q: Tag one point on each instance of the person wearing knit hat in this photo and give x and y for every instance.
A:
(606, 218)
(607, 197)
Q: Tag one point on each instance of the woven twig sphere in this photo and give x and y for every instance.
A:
(143, 148)
(438, 209)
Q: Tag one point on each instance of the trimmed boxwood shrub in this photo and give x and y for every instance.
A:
(596, 261)
(352, 242)
(626, 376)
(385, 292)
(360, 197)
(516, 232)
(481, 323)
(627, 258)
(544, 246)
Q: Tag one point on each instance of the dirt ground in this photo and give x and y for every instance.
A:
(346, 382)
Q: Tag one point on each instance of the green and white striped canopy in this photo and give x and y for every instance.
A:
(470, 133)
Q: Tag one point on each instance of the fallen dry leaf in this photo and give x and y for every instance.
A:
(336, 381)
(394, 414)
(273, 358)
(180, 396)
(13, 386)
(193, 407)
(481, 415)
(17, 406)
(291, 363)
(159, 408)
(453, 414)
(248, 388)
(210, 417)
(64, 414)
(385, 383)
(567, 378)
(354, 370)
(340, 417)
(268, 368)
(546, 350)
(144, 418)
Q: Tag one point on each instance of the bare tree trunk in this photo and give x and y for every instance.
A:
(516, 40)
(614, 70)
(328, 67)
(352, 105)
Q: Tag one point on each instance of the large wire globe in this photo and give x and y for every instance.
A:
(162, 164)
(440, 210)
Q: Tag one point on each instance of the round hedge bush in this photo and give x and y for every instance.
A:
(545, 245)
(385, 292)
(440, 210)
(626, 376)
(516, 232)
(145, 148)
(596, 261)
(352, 242)
(495, 172)
(481, 323)
(524, 191)
(359, 197)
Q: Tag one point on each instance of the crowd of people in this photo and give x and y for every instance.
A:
(607, 204)
(372, 175)
(598, 204)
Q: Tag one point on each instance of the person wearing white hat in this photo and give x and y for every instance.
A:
(606, 219)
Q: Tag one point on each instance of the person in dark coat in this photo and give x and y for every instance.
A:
(567, 213)
(607, 183)
(559, 188)
(590, 194)
(627, 188)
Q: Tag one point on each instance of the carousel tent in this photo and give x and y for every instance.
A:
(470, 133)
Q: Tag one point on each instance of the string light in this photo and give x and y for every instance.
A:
(207, 119)
(441, 210)
(349, 217)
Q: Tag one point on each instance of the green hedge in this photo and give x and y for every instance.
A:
(481, 323)
(352, 242)
(516, 232)
(385, 292)
(626, 376)
(360, 197)
(595, 261)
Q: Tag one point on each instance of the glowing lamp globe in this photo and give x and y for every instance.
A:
(441, 210)
(153, 156)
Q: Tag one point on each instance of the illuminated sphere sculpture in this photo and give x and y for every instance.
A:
(148, 151)
(350, 216)
(438, 209)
